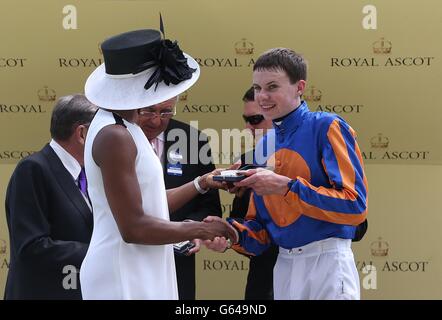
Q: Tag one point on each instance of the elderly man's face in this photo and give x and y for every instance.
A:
(151, 121)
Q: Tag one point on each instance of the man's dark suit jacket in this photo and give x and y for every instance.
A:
(50, 227)
(197, 209)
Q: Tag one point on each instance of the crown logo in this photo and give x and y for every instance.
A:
(183, 96)
(46, 94)
(379, 141)
(312, 94)
(244, 47)
(382, 46)
(379, 248)
(2, 246)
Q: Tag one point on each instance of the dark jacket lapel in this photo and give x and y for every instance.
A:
(66, 183)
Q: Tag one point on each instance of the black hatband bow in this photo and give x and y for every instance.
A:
(171, 64)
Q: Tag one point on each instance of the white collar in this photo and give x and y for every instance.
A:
(69, 162)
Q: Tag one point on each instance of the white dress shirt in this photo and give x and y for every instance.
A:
(70, 163)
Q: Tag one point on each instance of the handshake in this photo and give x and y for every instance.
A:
(216, 234)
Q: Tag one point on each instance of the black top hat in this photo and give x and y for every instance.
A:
(125, 52)
(136, 51)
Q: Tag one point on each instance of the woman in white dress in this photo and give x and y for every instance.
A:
(131, 255)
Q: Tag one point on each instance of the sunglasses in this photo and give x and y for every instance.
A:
(254, 120)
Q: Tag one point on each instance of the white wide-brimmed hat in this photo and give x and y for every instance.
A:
(140, 69)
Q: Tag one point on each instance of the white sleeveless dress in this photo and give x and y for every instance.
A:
(112, 268)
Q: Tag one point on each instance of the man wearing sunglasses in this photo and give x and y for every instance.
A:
(253, 117)
(156, 122)
(260, 277)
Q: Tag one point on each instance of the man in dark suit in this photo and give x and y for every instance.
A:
(164, 133)
(49, 218)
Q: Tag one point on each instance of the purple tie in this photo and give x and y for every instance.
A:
(82, 182)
